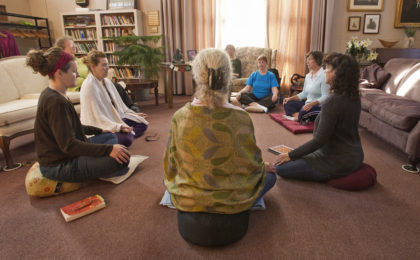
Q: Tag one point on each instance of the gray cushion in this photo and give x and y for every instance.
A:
(397, 111)
(208, 229)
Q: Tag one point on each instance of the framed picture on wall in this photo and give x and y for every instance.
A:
(371, 23)
(408, 13)
(121, 4)
(354, 23)
(365, 5)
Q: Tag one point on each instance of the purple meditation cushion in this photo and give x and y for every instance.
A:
(361, 179)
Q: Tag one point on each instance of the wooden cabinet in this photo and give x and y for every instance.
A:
(385, 54)
(90, 31)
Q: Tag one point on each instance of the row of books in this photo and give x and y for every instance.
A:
(125, 72)
(79, 20)
(82, 34)
(112, 59)
(116, 32)
(85, 47)
(117, 20)
(110, 46)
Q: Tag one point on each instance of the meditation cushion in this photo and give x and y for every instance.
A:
(363, 178)
(39, 186)
(292, 126)
(209, 229)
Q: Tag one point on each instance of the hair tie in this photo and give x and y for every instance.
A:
(215, 78)
(61, 63)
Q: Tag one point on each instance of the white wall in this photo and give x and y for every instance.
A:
(340, 36)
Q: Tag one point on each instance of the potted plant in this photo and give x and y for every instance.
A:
(141, 51)
(410, 31)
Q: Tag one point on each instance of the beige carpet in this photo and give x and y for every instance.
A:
(303, 220)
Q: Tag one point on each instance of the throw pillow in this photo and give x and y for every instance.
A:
(373, 76)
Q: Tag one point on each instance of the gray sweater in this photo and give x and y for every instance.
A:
(335, 149)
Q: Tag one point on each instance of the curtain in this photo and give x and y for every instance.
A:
(322, 25)
(186, 25)
(190, 25)
(233, 27)
(289, 31)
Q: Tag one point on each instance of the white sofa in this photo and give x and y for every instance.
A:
(20, 89)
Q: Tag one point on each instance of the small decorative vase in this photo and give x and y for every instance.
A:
(410, 42)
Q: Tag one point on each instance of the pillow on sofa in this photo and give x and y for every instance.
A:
(373, 76)
(363, 178)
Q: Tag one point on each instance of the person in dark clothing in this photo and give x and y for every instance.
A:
(63, 151)
(126, 98)
(335, 149)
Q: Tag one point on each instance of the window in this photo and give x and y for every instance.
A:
(241, 23)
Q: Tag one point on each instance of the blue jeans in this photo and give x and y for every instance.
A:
(300, 170)
(85, 168)
(295, 106)
(270, 180)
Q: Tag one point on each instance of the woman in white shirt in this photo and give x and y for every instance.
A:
(101, 105)
(315, 91)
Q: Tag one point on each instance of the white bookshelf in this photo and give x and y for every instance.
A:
(90, 29)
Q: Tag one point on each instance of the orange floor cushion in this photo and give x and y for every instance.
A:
(39, 186)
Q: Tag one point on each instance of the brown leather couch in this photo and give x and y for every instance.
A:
(392, 112)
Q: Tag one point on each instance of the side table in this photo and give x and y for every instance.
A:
(167, 69)
(135, 84)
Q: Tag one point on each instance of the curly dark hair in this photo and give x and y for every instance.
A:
(317, 55)
(44, 62)
(347, 73)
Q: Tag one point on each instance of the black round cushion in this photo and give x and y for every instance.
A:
(209, 229)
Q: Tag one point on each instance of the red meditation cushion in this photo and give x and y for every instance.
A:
(363, 178)
(292, 126)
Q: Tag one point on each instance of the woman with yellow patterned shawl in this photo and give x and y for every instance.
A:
(212, 162)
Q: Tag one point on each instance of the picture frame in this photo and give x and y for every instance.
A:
(82, 3)
(365, 5)
(354, 23)
(121, 4)
(407, 13)
(371, 23)
(191, 54)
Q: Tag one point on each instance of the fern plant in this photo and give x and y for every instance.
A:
(141, 51)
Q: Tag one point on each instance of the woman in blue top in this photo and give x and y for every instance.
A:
(261, 90)
(315, 91)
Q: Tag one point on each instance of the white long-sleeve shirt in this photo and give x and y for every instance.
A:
(96, 108)
(315, 87)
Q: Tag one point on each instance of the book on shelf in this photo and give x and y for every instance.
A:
(279, 149)
(82, 208)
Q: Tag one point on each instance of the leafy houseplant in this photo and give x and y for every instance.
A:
(141, 51)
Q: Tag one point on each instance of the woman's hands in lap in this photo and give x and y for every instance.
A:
(282, 158)
(120, 153)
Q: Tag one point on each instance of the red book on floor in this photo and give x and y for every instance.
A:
(82, 208)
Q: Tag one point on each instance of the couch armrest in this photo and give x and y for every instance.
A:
(238, 84)
(413, 142)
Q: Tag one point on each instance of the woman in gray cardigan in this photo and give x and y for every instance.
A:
(335, 149)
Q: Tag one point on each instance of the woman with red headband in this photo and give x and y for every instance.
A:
(63, 152)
